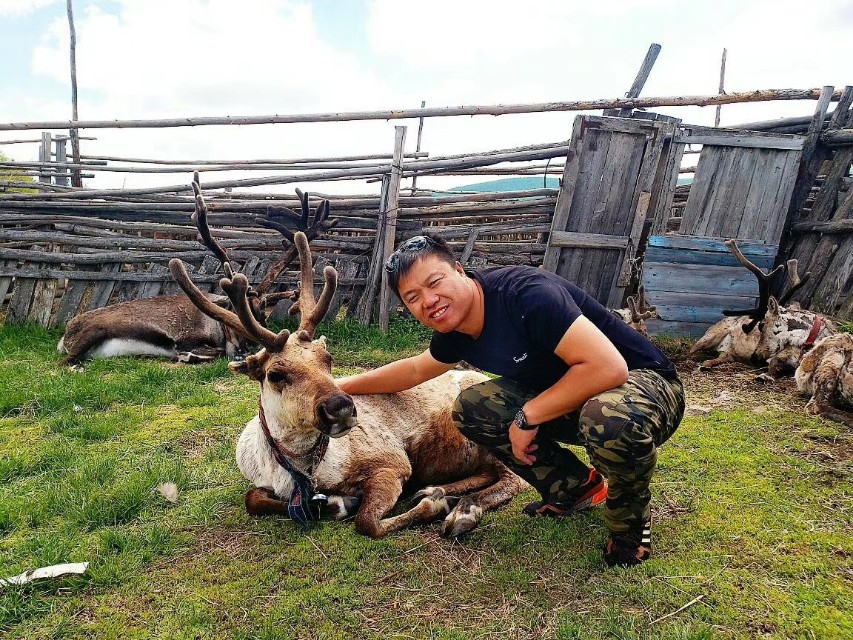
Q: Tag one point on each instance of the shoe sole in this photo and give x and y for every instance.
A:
(595, 497)
(592, 498)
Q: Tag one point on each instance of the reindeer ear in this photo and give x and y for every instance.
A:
(772, 306)
(253, 366)
(322, 341)
(239, 367)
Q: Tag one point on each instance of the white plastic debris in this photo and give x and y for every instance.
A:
(53, 571)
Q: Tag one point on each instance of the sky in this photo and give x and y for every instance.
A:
(141, 59)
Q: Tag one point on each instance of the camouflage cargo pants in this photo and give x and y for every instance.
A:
(620, 429)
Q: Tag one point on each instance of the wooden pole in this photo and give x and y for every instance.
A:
(392, 208)
(759, 95)
(62, 178)
(722, 81)
(418, 146)
(535, 152)
(44, 156)
(639, 81)
(296, 161)
(76, 179)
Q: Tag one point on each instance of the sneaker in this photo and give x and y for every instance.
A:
(628, 549)
(592, 492)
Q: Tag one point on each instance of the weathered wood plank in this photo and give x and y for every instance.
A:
(680, 256)
(134, 276)
(755, 216)
(566, 194)
(587, 240)
(70, 302)
(5, 284)
(698, 278)
(42, 304)
(150, 289)
(730, 209)
(664, 190)
(103, 290)
(776, 212)
(749, 248)
(22, 297)
(749, 141)
(701, 191)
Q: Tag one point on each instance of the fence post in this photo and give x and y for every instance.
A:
(392, 208)
(62, 176)
(45, 156)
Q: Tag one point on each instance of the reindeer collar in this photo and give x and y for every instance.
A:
(304, 503)
(812, 337)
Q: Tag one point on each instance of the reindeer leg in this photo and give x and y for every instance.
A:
(721, 359)
(263, 502)
(200, 354)
(825, 383)
(458, 488)
(466, 515)
(381, 492)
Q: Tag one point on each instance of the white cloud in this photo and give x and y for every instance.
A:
(18, 8)
(157, 58)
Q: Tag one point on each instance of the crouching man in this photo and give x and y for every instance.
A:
(571, 373)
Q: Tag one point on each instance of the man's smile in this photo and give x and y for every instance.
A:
(438, 313)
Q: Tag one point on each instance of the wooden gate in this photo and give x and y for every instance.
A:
(618, 171)
(741, 189)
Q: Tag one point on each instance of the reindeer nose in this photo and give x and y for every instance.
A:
(336, 414)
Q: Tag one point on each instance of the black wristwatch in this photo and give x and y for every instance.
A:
(522, 423)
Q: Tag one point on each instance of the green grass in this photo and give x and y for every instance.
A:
(752, 512)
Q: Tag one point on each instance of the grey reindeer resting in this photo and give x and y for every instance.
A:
(309, 436)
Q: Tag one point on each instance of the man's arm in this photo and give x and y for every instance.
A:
(595, 366)
(395, 376)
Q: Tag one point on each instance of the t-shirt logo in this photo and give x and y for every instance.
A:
(520, 358)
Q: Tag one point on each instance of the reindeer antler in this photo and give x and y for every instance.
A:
(320, 224)
(199, 216)
(311, 311)
(763, 288)
(640, 310)
(200, 300)
(795, 281)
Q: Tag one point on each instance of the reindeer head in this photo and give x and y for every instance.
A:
(298, 392)
(638, 312)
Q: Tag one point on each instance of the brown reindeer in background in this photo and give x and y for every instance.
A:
(314, 451)
(172, 326)
(637, 313)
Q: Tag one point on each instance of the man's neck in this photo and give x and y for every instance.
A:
(476, 318)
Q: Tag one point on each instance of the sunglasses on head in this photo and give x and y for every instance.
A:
(412, 245)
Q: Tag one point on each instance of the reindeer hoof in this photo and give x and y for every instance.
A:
(340, 507)
(432, 493)
(463, 519)
(765, 377)
(814, 408)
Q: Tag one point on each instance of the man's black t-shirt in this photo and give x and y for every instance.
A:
(527, 312)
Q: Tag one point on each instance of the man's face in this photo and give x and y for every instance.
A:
(438, 295)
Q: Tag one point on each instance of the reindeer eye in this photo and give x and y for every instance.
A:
(278, 377)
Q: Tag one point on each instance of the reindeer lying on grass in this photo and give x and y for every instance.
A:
(737, 337)
(788, 339)
(826, 374)
(311, 437)
(171, 326)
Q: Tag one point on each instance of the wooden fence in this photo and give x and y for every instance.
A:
(65, 250)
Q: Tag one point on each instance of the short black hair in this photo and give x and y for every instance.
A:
(409, 252)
